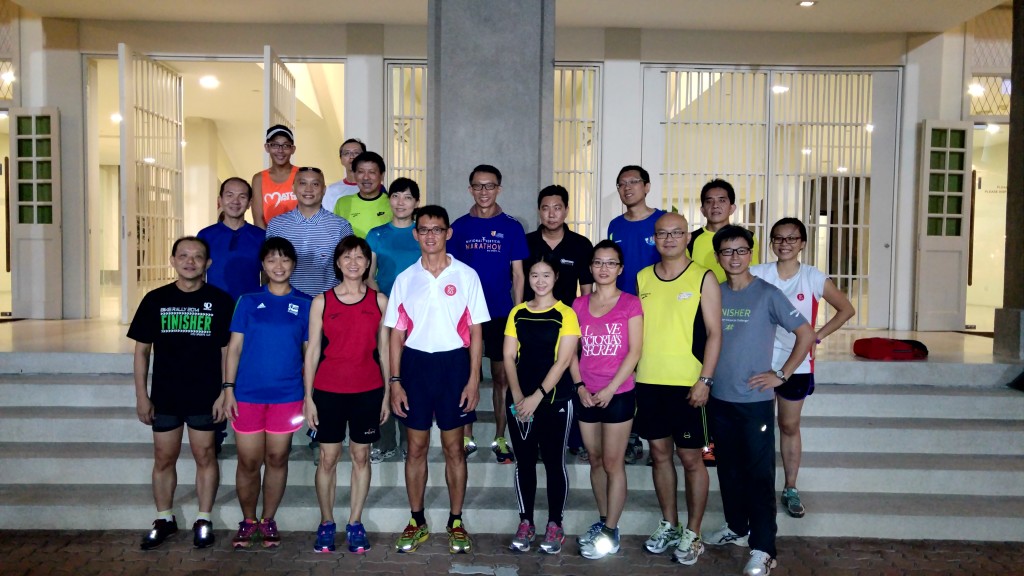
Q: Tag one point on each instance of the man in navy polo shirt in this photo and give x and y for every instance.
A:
(234, 243)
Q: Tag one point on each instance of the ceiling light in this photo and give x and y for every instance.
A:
(780, 89)
(806, 3)
(209, 82)
(842, 169)
(7, 77)
(116, 118)
(870, 128)
(976, 90)
(149, 160)
(992, 128)
(806, 151)
(184, 143)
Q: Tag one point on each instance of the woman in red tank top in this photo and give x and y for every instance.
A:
(272, 189)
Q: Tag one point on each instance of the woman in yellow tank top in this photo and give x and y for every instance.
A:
(273, 191)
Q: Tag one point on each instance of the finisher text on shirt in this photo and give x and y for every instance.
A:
(188, 320)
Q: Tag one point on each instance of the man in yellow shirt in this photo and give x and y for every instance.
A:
(717, 204)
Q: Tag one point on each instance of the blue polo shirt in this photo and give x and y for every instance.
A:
(396, 250)
(314, 239)
(236, 262)
(637, 242)
(489, 246)
(274, 329)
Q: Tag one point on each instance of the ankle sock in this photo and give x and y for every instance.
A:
(452, 518)
(203, 516)
(419, 517)
(165, 515)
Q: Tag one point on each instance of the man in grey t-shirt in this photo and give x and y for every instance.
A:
(741, 409)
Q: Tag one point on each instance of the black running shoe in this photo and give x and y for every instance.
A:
(202, 534)
(162, 530)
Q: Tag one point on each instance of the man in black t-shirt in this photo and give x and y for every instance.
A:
(186, 327)
(554, 237)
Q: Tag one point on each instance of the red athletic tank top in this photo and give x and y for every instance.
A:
(349, 360)
(278, 198)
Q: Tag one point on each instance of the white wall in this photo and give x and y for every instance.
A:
(989, 231)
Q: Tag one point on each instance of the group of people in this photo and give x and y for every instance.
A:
(357, 307)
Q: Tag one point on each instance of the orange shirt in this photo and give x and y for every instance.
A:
(278, 198)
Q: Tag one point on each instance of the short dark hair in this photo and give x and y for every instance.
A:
(730, 232)
(351, 141)
(235, 179)
(278, 245)
(431, 211)
(553, 190)
(487, 169)
(369, 157)
(205, 245)
(718, 183)
(550, 259)
(403, 184)
(347, 244)
(282, 130)
(608, 245)
(793, 221)
(633, 167)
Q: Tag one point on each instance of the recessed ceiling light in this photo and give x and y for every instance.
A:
(806, 4)
(869, 127)
(7, 77)
(116, 118)
(976, 90)
(842, 169)
(184, 143)
(992, 128)
(209, 82)
(780, 89)
(149, 160)
(806, 151)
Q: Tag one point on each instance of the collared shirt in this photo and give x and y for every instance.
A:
(436, 313)
(573, 252)
(337, 190)
(314, 239)
(637, 242)
(236, 263)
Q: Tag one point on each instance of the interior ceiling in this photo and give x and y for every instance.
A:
(851, 16)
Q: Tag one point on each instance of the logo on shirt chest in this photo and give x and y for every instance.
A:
(293, 309)
(450, 290)
(496, 234)
(800, 296)
(207, 306)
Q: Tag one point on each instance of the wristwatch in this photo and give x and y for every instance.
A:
(709, 382)
(781, 375)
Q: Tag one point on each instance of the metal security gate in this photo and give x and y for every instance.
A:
(152, 203)
(816, 145)
(576, 137)
(406, 148)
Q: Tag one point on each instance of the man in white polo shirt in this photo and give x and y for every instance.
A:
(435, 311)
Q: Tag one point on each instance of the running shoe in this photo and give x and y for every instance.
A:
(791, 500)
(388, 454)
(268, 530)
(468, 445)
(664, 537)
(707, 454)
(583, 455)
(554, 537)
(689, 548)
(202, 534)
(315, 447)
(634, 449)
(724, 536)
(162, 530)
(603, 544)
(376, 456)
(500, 448)
(525, 535)
(459, 541)
(412, 537)
(358, 543)
(760, 564)
(325, 537)
(245, 535)
(590, 534)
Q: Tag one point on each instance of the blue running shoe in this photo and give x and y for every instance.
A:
(358, 543)
(325, 538)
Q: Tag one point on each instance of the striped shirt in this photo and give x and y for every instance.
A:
(314, 239)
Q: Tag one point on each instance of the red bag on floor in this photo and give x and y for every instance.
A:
(890, 349)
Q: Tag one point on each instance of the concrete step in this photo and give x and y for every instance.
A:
(94, 464)
(493, 510)
(820, 434)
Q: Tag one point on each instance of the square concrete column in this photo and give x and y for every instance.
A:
(491, 100)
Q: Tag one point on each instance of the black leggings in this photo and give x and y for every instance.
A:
(546, 434)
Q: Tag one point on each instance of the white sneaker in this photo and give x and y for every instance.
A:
(663, 538)
(760, 564)
(689, 548)
(724, 536)
(376, 456)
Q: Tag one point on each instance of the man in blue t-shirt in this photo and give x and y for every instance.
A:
(494, 245)
(634, 230)
(234, 243)
(742, 405)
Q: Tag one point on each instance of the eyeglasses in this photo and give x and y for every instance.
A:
(605, 264)
(785, 239)
(278, 146)
(737, 251)
(350, 153)
(311, 169)
(663, 234)
(631, 182)
(489, 186)
(436, 231)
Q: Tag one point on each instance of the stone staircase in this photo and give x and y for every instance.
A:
(906, 460)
